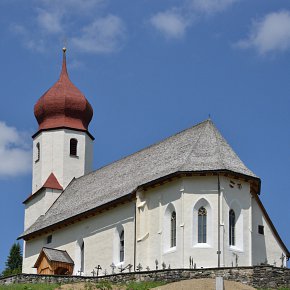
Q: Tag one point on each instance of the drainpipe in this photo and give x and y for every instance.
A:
(135, 232)
(219, 223)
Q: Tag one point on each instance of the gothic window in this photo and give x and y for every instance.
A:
(202, 225)
(232, 225)
(37, 152)
(122, 246)
(82, 257)
(73, 147)
(173, 230)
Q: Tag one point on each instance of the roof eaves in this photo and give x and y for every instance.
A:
(129, 196)
(77, 217)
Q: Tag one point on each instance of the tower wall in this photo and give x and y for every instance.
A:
(55, 156)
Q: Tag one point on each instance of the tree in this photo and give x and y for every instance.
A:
(14, 261)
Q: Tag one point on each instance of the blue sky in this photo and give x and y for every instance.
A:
(150, 69)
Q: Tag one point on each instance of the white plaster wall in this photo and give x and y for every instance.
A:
(266, 248)
(187, 195)
(98, 235)
(183, 195)
(39, 205)
(55, 157)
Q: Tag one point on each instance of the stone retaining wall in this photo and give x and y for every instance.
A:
(258, 276)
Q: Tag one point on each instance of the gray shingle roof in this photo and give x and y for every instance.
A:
(57, 255)
(199, 148)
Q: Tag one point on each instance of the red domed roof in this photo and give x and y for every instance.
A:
(63, 105)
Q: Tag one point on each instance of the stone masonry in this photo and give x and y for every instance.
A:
(258, 276)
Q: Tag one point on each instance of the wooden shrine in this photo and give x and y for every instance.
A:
(54, 262)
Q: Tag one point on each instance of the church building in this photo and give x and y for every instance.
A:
(185, 202)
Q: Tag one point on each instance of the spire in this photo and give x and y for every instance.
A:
(63, 105)
(63, 69)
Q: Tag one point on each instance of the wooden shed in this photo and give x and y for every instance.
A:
(54, 262)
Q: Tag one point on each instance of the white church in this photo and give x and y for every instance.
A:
(185, 202)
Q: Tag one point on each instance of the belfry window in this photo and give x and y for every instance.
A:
(122, 244)
(202, 214)
(232, 225)
(37, 152)
(73, 147)
(173, 230)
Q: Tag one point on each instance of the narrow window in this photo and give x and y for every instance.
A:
(173, 230)
(232, 225)
(49, 239)
(37, 152)
(202, 225)
(73, 147)
(122, 246)
(82, 257)
(261, 229)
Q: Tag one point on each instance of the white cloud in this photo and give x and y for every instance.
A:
(50, 22)
(35, 44)
(101, 36)
(211, 6)
(174, 22)
(78, 21)
(15, 155)
(170, 24)
(272, 33)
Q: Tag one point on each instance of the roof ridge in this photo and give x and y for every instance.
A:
(220, 155)
(195, 144)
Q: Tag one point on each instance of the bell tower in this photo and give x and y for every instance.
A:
(62, 145)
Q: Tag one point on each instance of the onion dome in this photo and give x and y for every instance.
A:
(63, 105)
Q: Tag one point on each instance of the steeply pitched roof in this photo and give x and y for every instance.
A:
(198, 149)
(54, 255)
(52, 182)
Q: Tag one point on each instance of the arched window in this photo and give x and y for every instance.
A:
(122, 246)
(232, 224)
(73, 147)
(202, 225)
(82, 257)
(173, 230)
(37, 152)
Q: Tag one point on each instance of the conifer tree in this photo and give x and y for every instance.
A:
(14, 261)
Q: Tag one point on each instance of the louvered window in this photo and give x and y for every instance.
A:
(73, 147)
(37, 152)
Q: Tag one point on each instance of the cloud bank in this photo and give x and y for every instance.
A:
(174, 22)
(14, 153)
(80, 22)
(170, 24)
(269, 34)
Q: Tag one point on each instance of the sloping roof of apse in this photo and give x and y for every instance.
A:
(200, 148)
